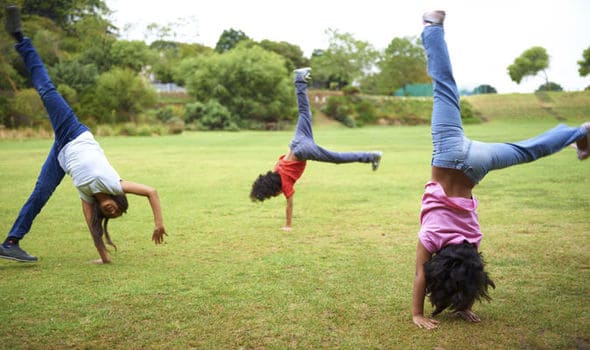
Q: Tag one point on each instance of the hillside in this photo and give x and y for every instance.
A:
(415, 110)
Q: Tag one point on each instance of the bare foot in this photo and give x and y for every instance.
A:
(99, 262)
(468, 315)
(583, 144)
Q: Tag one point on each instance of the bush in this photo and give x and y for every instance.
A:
(164, 114)
(366, 112)
(550, 86)
(341, 109)
(175, 126)
(210, 116)
(467, 114)
(249, 82)
(119, 95)
(27, 109)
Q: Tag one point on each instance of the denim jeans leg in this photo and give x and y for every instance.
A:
(303, 130)
(303, 144)
(320, 154)
(448, 138)
(66, 127)
(64, 122)
(48, 180)
(484, 157)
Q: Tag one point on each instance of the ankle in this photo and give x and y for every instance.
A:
(18, 36)
(11, 241)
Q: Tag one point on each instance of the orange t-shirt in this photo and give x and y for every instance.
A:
(290, 171)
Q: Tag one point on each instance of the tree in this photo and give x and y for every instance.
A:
(170, 54)
(484, 89)
(550, 86)
(531, 62)
(345, 61)
(119, 95)
(65, 13)
(252, 83)
(292, 53)
(584, 63)
(77, 76)
(134, 55)
(95, 48)
(230, 39)
(403, 62)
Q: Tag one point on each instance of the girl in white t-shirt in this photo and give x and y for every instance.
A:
(74, 152)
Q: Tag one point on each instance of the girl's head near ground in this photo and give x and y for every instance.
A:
(266, 186)
(99, 222)
(455, 278)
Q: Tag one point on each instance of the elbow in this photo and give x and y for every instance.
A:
(152, 192)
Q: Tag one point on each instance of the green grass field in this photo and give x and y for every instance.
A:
(229, 278)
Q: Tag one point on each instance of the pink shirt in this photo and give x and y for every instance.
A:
(447, 220)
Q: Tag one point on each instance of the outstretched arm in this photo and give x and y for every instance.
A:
(419, 290)
(152, 195)
(98, 242)
(289, 213)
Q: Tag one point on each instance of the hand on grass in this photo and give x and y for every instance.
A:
(158, 235)
(424, 322)
(468, 315)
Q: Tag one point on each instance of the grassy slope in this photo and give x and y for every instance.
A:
(558, 106)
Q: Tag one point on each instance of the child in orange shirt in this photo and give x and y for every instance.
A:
(290, 166)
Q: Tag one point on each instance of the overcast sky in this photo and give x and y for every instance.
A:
(484, 36)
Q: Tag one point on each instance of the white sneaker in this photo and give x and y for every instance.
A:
(376, 159)
(433, 17)
(302, 74)
(585, 152)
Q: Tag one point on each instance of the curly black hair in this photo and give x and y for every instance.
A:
(455, 278)
(99, 222)
(266, 186)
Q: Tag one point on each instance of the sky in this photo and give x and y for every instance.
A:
(484, 37)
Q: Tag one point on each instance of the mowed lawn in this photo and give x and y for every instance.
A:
(229, 278)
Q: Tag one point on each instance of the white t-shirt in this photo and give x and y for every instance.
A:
(84, 160)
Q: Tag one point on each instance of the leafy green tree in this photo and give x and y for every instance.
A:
(134, 55)
(345, 61)
(229, 39)
(119, 96)
(92, 43)
(531, 62)
(171, 55)
(252, 83)
(403, 62)
(77, 76)
(292, 53)
(65, 13)
(584, 63)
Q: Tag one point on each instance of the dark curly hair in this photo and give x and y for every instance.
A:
(455, 278)
(99, 222)
(266, 186)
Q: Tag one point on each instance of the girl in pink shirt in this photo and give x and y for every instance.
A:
(449, 268)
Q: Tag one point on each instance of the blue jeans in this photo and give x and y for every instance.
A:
(303, 144)
(451, 149)
(66, 127)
